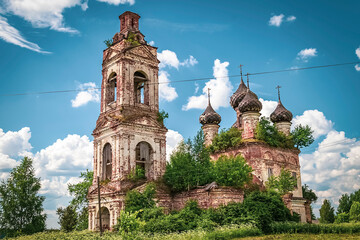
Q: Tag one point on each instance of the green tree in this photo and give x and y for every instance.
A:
(302, 136)
(21, 208)
(327, 212)
(342, 218)
(225, 139)
(355, 212)
(344, 204)
(80, 190)
(67, 218)
(136, 201)
(308, 194)
(283, 184)
(232, 171)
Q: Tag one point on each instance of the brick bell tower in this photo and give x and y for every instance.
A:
(127, 134)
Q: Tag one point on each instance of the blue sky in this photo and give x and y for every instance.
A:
(57, 45)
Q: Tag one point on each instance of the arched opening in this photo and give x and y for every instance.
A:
(107, 162)
(140, 88)
(111, 88)
(143, 157)
(105, 219)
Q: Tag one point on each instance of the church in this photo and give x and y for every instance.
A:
(128, 133)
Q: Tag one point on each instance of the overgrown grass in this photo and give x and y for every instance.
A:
(227, 232)
(290, 227)
(306, 237)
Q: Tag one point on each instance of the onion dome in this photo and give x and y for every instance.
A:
(209, 116)
(281, 114)
(238, 95)
(250, 103)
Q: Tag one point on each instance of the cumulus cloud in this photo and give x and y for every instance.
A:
(57, 185)
(66, 156)
(151, 43)
(169, 59)
(89, 93)
(11, 35)
(173, 138)
(357, 51)
(6, 163)
(277, 20)
(307, 53)
(268, 107)
(221, 89)
(15, 143)
(357, 67)
(316, 120)
(117, 2)
(166, 92)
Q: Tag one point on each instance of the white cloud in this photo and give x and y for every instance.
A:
(221, 89)
(12, 35)
(357, 67)
(57, 185)
(6, 163)
(290, 18)
(15, 143)
(117, 2)
(173, 138)
(276, 20)
(191, 61)
(69, 155)
(166, 92)
(267, 107)
(357, 51)
(307, 53)
(90, 93)
(316, 120)
(151, 43)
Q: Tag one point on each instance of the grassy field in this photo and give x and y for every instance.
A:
(305, 237)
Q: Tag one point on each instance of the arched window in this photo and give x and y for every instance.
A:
(111, 87)
(107, 162)
(143, 156)
(105, 219)
(140, 88)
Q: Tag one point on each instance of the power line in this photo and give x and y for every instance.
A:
(184, 80)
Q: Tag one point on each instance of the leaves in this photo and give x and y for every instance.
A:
(226, 139)
(308, 193)
(302, 136)
(284, 183)
(80, 190)
(327, 212)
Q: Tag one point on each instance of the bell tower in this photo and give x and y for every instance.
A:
(128, 134)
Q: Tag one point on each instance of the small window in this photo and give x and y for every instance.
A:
(270, 172)
(140, 88)
(111, 88)
(107, 162)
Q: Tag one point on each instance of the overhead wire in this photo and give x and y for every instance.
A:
(184, 80)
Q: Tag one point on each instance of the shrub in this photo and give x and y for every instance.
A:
(232, 171)
(135, 200)
(137, 174)
(291, 227)
(67, 218)
(128, 223)
(302, 136)
(355, 212)
(284, 183)
(226, 139)
(327, 212)
(161, 116)
(342, 218)
(108, 42)
(152, 213)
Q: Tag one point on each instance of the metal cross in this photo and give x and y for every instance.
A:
(278, 88)
(240, 66)
(247, 79)
(209, 95)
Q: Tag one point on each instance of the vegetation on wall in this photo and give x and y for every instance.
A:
(135, 200)
(161, 116)
(132, 40)
(136, 174)
(108, 42)
(283, 184)
(300, 137)
(226, 139)
(21, 208)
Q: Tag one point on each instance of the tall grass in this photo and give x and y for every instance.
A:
(290, 227)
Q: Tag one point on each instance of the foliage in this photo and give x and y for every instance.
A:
(189, 165)
(346, 201)
(135, 200)
(291, 227)
(226, 139)
(327, 212)
(132, 40)
(342, 218)
(83, 219)
(308, 193)
(232, 171)
(67, 218)
(137, 174)
(108, 42)
(355, 212)
(161, 116)
(302, 136)
(128, 223)
(284, 183)
(268, 133)
(80, 190)
(21, 208)
(265, 208)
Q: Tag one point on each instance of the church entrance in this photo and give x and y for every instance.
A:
(105, 219)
